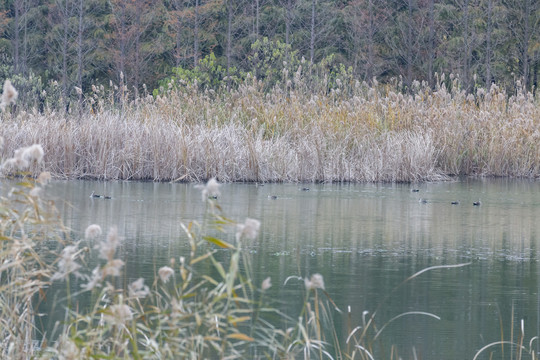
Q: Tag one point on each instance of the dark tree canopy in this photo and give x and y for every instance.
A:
(138, 43)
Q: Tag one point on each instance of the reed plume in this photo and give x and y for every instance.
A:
(9, 95)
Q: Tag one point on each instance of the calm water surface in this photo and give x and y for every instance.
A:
(365, 239)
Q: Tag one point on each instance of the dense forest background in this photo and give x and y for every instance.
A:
(61, 48)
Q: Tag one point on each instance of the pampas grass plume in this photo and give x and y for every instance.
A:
(33, 153)
(138, 289)
(249, 229)
(266, 284)
(315, 282)
(9, 96)
(118, 314)
(211, 189)
(67, 263)
(108, 248)
(113, 268)
(165, 273)
(44, 178)
(92, 231)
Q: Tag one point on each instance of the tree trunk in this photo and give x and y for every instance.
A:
(257, 18)
(370, 41)
(178, 37)
(488, 43)
(80, 53)
(288, 11)
(196, 36)
(409, 50)
(64, 10)
(24, 59)
(536, 68)
(80, 45)
(16, 32)
(467, 46)
(431, 42)
(525, 44)
(138, 30)
(123, 45)
(229, 41)
(312, 39)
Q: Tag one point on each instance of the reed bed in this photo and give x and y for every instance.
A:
(353, 132)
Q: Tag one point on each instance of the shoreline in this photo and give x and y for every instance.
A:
(446, 178)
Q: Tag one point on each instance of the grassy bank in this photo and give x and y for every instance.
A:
(353, 132)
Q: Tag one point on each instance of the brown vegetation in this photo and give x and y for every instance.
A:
(353, 133)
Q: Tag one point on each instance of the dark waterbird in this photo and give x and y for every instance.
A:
(94, 195)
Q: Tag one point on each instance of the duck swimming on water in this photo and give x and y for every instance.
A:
(94, 195)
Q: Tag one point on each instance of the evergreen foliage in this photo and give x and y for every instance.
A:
(76, 44)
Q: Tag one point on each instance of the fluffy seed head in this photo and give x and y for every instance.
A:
(19, 163)
(94, 280)
(33, 153)
(67, 263)
(108, 247)
(138, 289)
(165, 273)
(21, 158)
(266, 284)
(211, 189)
(44, 178)
(113, 268)
(9, 96)
(213, 186)
(92, 231)
(118, 314)
(315, 282)
(249, 229)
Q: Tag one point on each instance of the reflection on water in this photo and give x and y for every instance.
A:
(365, 239)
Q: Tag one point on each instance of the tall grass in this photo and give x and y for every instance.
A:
(196, 307)
(353, 132)
(185, 313)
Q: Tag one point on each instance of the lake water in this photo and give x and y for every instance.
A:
(365, 239)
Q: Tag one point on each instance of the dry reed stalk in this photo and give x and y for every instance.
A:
(374, 134)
